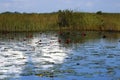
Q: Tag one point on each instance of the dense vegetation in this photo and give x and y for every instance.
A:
(65, 19)
(27, 22)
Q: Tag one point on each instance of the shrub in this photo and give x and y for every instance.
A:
(99, 12)
(64, 18)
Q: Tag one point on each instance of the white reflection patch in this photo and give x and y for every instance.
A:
(11, 63)
(48, 52)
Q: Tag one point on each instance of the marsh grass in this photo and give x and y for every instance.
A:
(27, 22)
(50, 21)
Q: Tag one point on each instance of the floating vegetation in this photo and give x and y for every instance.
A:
(46, 74)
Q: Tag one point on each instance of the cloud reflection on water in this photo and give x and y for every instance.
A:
(11, 63)
(19, 57)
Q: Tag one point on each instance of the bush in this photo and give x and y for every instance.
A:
(64, 18)
(99, 12)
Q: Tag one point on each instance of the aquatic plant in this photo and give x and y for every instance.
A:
(63, 19)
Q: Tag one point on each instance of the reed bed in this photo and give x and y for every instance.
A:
(59, 20)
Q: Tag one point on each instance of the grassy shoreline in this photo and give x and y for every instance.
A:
(47, 22)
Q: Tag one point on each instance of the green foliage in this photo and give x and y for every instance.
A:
(65, 19)
(70, 19)
(99, 12)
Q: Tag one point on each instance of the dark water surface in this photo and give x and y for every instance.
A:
(60, 56)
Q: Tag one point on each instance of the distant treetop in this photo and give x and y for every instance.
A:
(99, 12)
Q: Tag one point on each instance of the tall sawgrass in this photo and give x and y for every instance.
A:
(27, 22)
(90, 21)
(60, 20)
